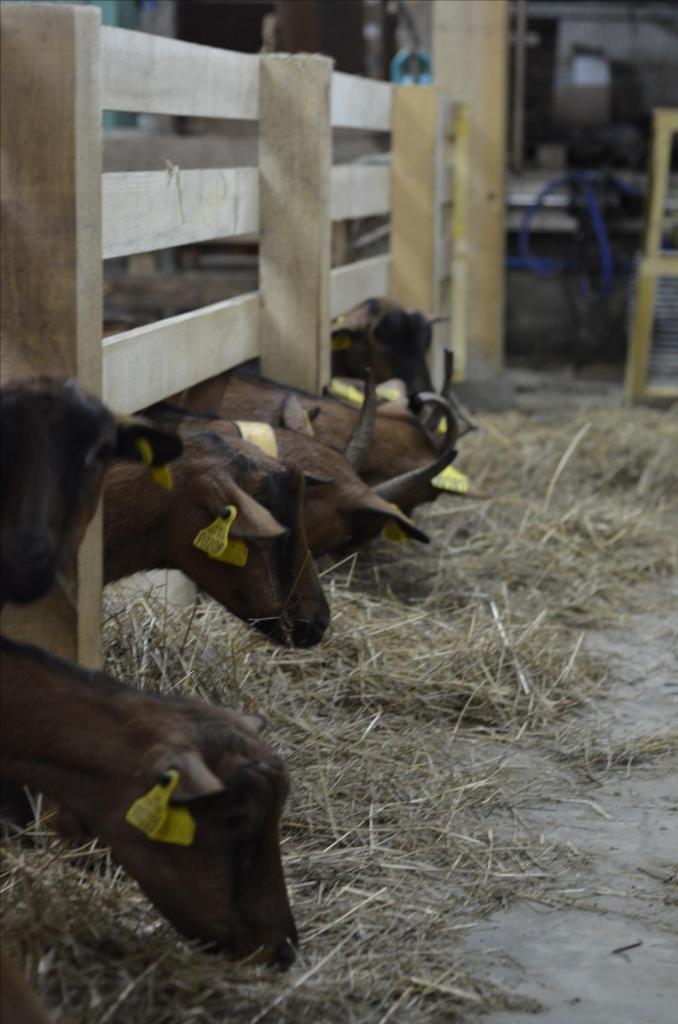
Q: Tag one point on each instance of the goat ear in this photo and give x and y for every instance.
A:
(164, 445)
(253, 520)
(378, 510)
(295, 417)
(313, 480)
(195, 778)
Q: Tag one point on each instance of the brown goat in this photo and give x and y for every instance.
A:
(18, 1005)
(187, 795)
(56, 443)
(278, 589)
(391, 340)
(340, 508)
(401, 443)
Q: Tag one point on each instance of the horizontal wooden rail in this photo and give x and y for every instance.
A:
(357, 281)
(149, 363)
(360, 103)
(360, 190)
(663, 265)
(147, 210)
(157, 75)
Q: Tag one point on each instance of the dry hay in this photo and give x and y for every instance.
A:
(400, 832)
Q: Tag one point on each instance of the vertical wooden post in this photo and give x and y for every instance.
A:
(414, 136)
(651, 265)
(51, 257)
(459, 286)
(470, 62)
(295, 159)
(420, 185)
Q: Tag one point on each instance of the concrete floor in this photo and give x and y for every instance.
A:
(622, 882)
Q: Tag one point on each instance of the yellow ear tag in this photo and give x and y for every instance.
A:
(153, 815)
(341, 341)
(388, 394)
(215, 543)
(308, 425)
(392, 530)
(161, 474)
(450, 479)
(260, 434)
(442, 426)
(346, 391)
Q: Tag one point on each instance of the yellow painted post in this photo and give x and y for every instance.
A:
(653, 263)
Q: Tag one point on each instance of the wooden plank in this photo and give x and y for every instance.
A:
(661, 391)
(442, 336)
(459, 288)
(157, 75)
(355, 282)
(654, 264)
(470, 43)
(149, 210)
(660, 166)
(660, 266)
(666, 118)
(360, 190)
(295, 154)
(149, 363)
(51, 257)
(361, 103)
(414, 210)
(641, 336)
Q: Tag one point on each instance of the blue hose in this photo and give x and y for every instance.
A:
(545, 267)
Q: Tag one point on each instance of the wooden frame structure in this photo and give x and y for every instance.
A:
(470, 60)
(60, 217)
(653, 264)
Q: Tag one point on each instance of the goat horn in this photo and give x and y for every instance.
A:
(447, 394)
(442, 319)
(360, 439)
(398, 489)
(433, 420)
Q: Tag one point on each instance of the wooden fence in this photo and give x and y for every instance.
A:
(60, 217)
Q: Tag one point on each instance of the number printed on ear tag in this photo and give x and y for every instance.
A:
(214, 541)
(153, 815)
